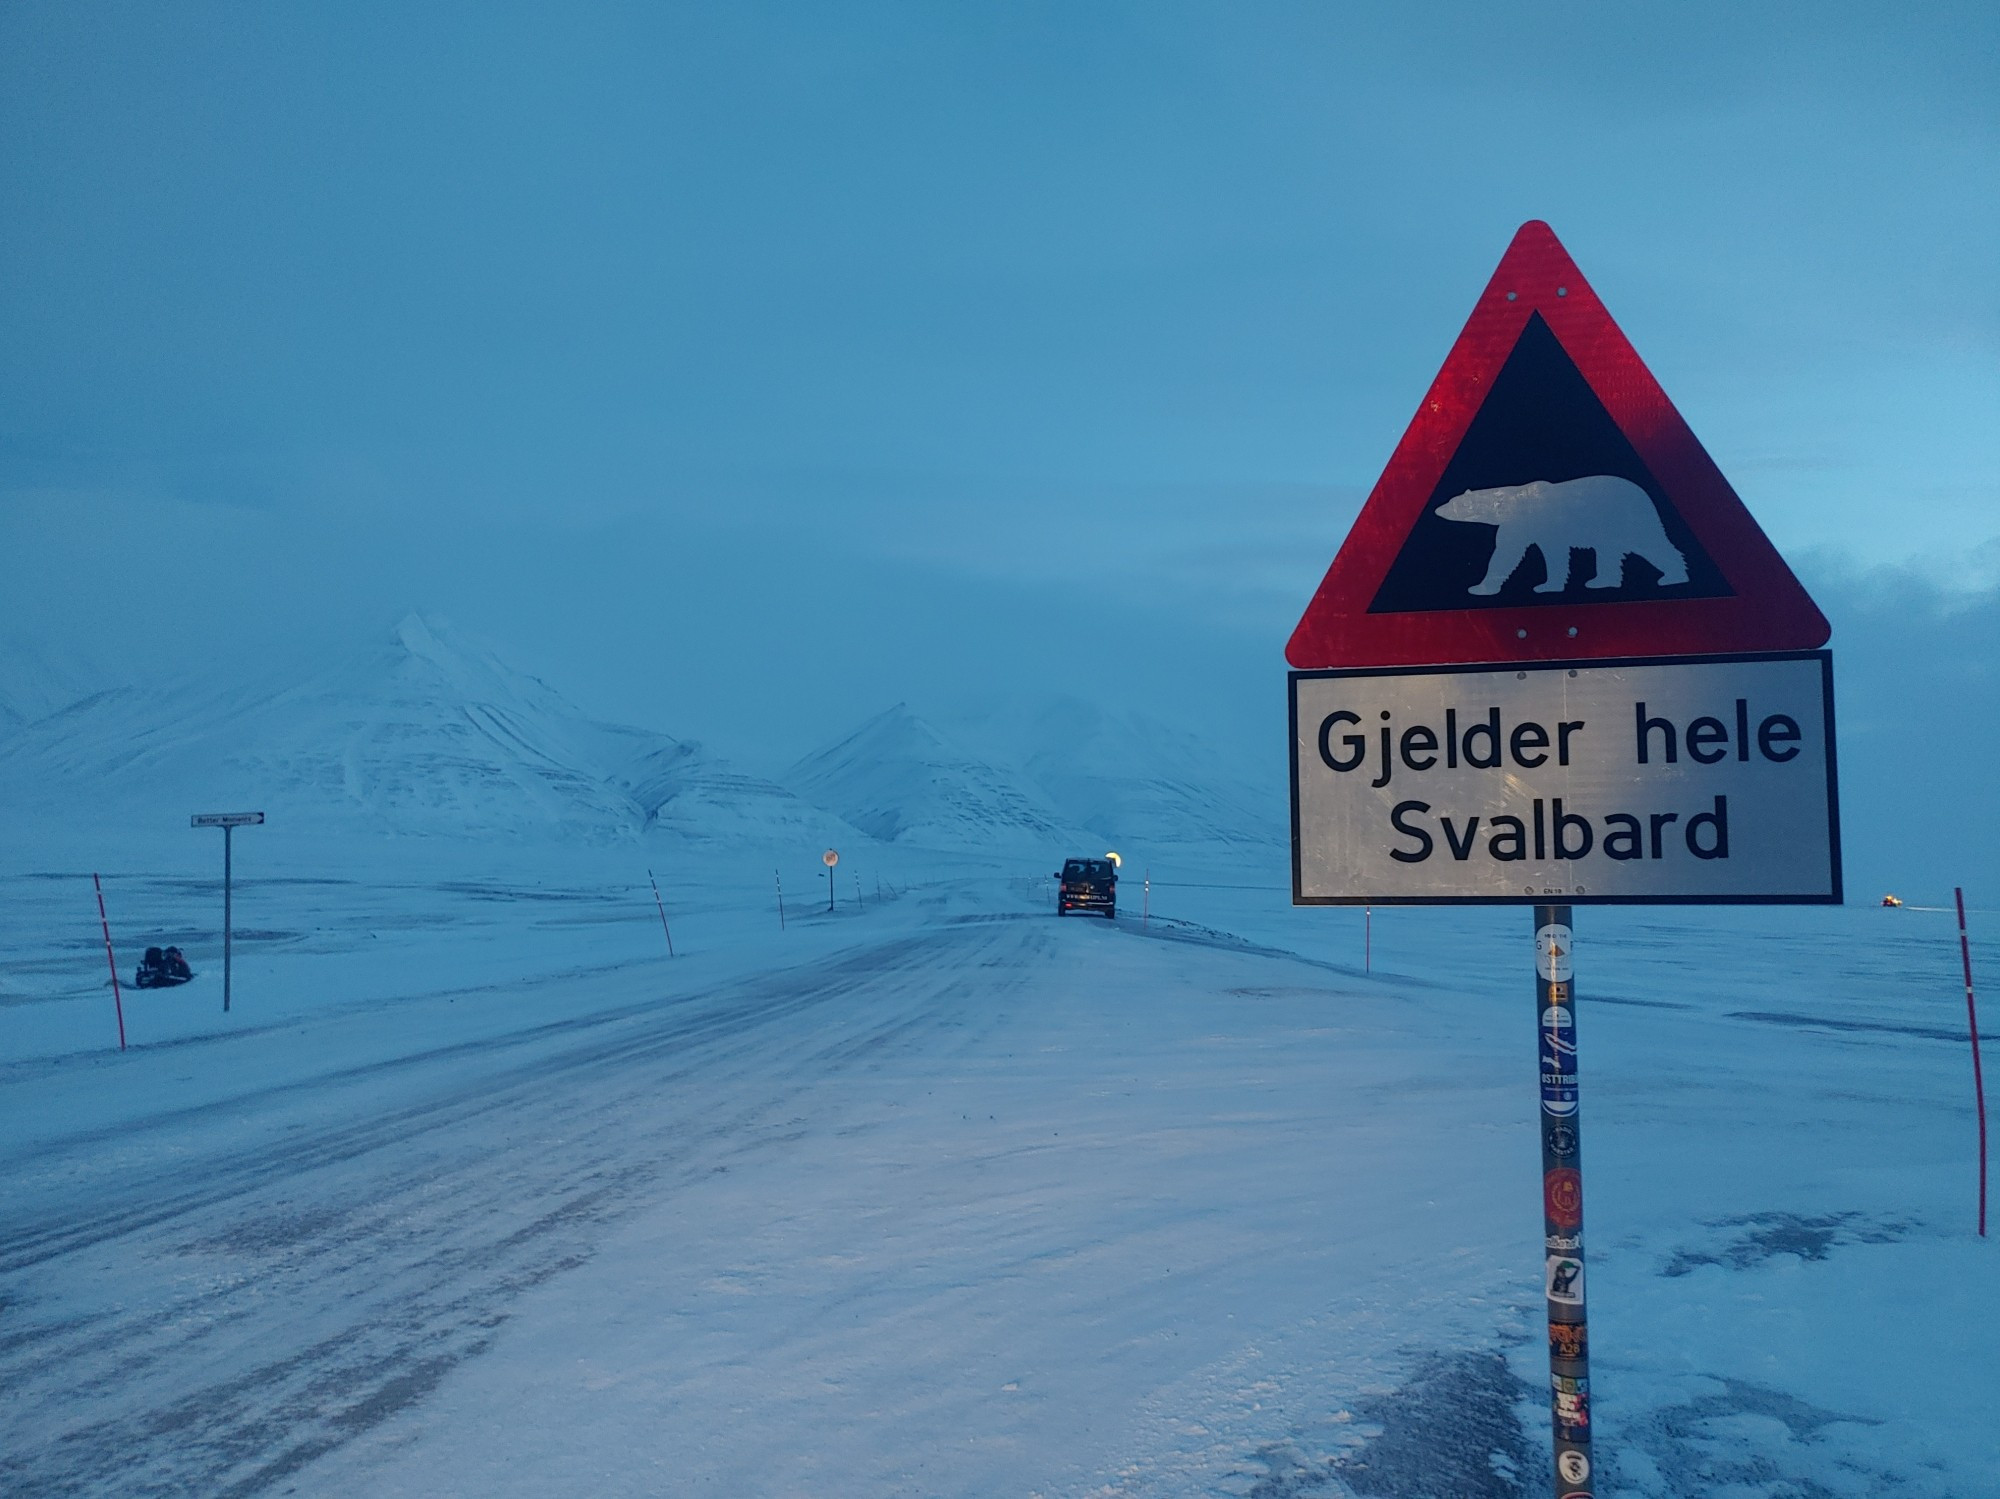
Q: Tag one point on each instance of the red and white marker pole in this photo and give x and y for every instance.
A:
(1978, 1082)
(119, 998)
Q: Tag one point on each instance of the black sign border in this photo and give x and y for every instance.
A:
(1835, 896)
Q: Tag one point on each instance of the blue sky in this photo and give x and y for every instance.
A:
(746, 368)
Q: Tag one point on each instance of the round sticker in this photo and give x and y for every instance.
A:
(1552, 949)
(1573, 1466)
(1562, 1197)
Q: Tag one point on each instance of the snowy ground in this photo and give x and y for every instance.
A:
(476, 1192)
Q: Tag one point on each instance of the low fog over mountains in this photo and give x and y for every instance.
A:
(430, 733)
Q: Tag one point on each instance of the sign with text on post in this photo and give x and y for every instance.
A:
(1556, 662)
(1555, 658)
(1665, 780)
(226, 820)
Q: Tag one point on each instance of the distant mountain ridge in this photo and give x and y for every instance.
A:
(37, 679)
(1130, 778)
(429, 733)
(901, 781)
(1054, 772)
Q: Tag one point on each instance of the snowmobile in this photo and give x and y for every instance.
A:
(162, 969)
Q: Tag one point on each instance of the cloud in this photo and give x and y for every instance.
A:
(1917, 686)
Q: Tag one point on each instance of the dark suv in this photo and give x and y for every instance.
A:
(1088, 885)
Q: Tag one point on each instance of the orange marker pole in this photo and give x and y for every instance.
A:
(118, 999)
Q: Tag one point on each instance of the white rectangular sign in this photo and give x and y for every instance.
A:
(225, 819)
(1699, 779)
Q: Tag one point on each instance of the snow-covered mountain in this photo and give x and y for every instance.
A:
(1129, 778)
(685, 792)
(900, 780)
(37, 679)
(1044, 772)
(429, 733)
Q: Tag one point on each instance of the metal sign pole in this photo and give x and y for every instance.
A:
(1562, 1202)
(228, 839)
(229, 822)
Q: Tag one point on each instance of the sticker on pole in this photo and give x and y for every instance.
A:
(1562, 1197)
(1565, 1280)
(1570, 1404)
(1558, 1062)
(1549, 503)
(1553, 944)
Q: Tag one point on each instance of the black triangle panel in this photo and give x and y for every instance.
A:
(1541, 422)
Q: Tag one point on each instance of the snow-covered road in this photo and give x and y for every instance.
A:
(223, 1292)
(951, 1197)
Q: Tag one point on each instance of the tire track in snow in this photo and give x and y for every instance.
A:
(218, 1334)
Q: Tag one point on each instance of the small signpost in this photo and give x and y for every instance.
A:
(1556, 663)
(229, 822)
(829, 859)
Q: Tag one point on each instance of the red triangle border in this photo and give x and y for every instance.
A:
(1768, 611)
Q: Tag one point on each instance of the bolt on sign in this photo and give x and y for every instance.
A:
(1556, 663)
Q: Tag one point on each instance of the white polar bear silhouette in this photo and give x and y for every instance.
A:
(1612, 517)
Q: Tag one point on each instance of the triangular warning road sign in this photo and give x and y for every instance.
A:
(1548, 503)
